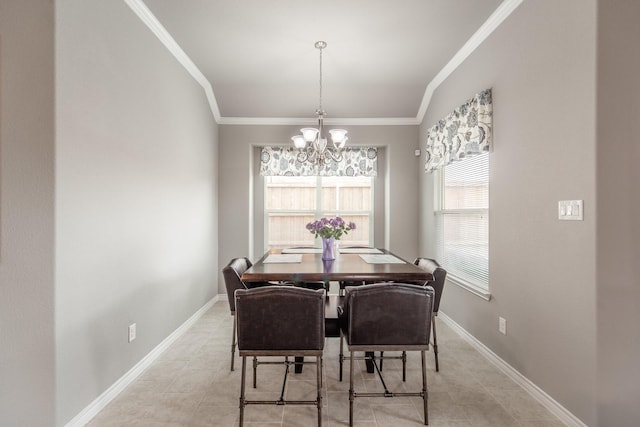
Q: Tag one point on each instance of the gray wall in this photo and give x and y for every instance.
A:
(240, 231)
(618, 209)
(541, 65)
(27, 375)
(136, 197)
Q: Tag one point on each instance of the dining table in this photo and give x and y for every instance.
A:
(298, 265)
(350, 264)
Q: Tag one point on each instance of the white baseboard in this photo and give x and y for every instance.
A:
(536, 392)
(105, 398)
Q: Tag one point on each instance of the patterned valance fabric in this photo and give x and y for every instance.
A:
(289, 161)
(465, 132)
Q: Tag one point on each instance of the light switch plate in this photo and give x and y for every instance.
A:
(132, 332)
(502, 325)
(570, 210)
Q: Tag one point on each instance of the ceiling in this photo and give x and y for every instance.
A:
(260, 61)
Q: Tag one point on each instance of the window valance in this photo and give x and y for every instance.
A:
(288, 161)
(466, 132)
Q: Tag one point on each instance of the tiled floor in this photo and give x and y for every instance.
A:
(191, 385)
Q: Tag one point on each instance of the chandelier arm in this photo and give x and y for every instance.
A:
(307, 154)
(335, 155)
(302, 156)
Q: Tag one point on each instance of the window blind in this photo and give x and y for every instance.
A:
(462, 220)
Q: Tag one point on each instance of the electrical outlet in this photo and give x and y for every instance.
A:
(132, 332)
(502, 325)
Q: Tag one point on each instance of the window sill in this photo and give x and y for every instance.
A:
(476, 290)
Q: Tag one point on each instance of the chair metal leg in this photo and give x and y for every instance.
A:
(255, 372)
(404, 366)
(341, 357)
(435, 341)
(319, 385)
(233, 342)
(425, 395)
(351, 392)
(387, 392)
(242, 399)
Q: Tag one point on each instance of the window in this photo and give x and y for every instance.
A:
(462, 222)
(293, 201)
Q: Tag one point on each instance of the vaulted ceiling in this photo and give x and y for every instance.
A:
(259, 58)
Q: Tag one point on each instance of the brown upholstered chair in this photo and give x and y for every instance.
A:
(386, 317)
(232, 273)
(439, 276)
(281, 321)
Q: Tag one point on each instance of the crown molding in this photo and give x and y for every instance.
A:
(496, 18)
(380, 121)
(149, 19)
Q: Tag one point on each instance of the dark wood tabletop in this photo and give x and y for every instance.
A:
(346, 266)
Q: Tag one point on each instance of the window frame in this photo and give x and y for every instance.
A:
(479, 289)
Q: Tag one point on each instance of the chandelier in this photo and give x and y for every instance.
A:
(312, 145)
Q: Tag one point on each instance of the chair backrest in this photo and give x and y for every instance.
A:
(388, 314)
(439, 275)
(232, 273)
(280, 318)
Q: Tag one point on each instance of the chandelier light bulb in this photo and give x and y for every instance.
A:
(309, 134)
(338, 136)
(299, 142)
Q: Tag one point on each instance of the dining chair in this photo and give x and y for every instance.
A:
(281, 321)
(232, 274)
(386, 317)
(439, 275)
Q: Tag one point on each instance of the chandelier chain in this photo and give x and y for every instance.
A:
(321, 46)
